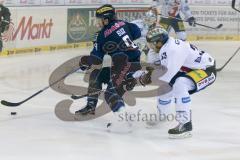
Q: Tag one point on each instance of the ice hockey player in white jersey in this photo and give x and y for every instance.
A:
(171, 9)
(189, 70)
(144, 24)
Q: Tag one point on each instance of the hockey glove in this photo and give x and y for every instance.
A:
(84, 67)
(191, 21)
(145, 78)
(130, 82)
(83, 63)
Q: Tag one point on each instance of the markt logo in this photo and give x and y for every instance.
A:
(29, 30)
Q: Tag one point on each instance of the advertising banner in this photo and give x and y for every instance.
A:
(80, 25)
(10, 2)
(74, 2)
(52, 2)
(29, 28)
(58, 26)
(114, 2)
(210, 2)
(213, 16)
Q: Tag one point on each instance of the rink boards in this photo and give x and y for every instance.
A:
(53, 28)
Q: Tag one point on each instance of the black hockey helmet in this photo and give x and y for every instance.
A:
(106, 11)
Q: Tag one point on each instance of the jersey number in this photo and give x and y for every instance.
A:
(198, 60)
(129, 43)
(164, 56)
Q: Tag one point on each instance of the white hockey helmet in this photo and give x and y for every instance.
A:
(150, 18)
(155, 35)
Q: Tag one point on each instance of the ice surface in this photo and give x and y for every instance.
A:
(35, 133)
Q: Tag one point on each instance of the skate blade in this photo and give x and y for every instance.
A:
(180, 136)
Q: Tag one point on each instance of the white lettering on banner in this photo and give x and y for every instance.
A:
(92, 18)
(114, 2)
(33, 31)
(209, 2)
(205, 82)
(213, 16)
(98, 1)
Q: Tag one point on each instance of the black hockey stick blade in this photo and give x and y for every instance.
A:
(217, 27)
(10, 104)
(74, 97)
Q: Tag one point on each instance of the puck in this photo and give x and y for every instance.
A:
(13, 113)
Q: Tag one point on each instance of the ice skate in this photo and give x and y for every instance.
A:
(89, 109)
(181, 131)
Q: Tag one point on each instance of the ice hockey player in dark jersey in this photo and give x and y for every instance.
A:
(4, 21)
(116, 40)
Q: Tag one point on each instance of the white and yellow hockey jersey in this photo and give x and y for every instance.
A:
(176, 54)
(173, 7)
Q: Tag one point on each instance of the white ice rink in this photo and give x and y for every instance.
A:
(35, 133)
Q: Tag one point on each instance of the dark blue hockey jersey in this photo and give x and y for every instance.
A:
(117, 37)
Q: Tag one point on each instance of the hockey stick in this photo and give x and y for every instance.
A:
(75, 97)
(234, 5)
(217, 27)
(221, 68)
(12, 104)
(199, 24)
